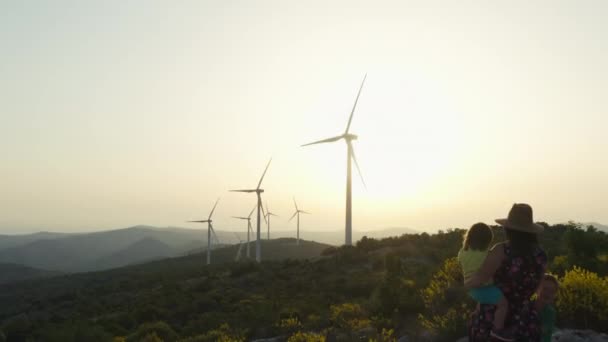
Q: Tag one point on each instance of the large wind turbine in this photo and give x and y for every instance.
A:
(258, 191)
(297, 213)
(210, 231)
(348, 138)
(249, 229)
(267, 219)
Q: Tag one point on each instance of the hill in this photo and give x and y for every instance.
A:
(115, 248)
(11, 241)
(336, 237)
(14, 273)
(408, 285)
(95, 251)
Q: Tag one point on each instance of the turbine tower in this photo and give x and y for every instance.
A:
(210, 231)
(350, 155)
(267, 219)
(297, 213)
(258, 191)
(249, 229)
(238, 252)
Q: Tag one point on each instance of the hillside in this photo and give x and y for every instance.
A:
(14, 273)
(11, 241)
(409, 285)
(92, 251)
(121, 247)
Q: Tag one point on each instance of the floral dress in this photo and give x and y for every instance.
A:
(518, 277)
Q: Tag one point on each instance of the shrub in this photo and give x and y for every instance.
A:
(348, 316)
(160, 329)
(583, 299)
(222, 334)
(446, 303)
(306, 337)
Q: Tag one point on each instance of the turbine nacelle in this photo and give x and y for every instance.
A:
(350, 137)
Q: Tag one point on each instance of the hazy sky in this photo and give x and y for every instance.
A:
(117, 113)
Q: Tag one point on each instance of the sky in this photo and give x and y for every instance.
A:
(116, 113)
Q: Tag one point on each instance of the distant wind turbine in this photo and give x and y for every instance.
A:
(258, 191)
(249, 229)
(238, 252)
(267, 219)
(297, 213)
(210, 231)
(348, 138)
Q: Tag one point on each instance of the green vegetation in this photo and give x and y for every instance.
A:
(375, 291)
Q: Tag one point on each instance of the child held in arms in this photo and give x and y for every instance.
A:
(471, 256)
(545, 297)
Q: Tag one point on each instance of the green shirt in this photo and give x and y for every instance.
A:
(471, 261)
(547, 319)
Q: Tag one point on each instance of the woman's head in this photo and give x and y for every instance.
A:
(478, 237)
(547, 289)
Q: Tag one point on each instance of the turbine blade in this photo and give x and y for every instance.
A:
(252, 210)
(201, 221)
(263, 174)
(305, 212)
(240, 217)
(263, 214)
(212, 210)
(294, 203)
(217, 240)
(350, 119)
(328, 140)
(294, 215)
(358, 169)
(254, 190)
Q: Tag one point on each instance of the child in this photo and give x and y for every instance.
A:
(471, 256)
(544, 305)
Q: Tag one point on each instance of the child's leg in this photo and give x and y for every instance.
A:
(502, 307)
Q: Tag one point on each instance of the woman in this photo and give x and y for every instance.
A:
(517, 267)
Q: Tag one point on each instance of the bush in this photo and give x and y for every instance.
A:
(583, 299)
(221, 334)
(306, 337)
(446, 303)
(159, 329)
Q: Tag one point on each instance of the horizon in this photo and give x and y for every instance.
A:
(203, 229)
(114, 113)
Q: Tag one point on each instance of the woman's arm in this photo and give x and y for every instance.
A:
(488, 268)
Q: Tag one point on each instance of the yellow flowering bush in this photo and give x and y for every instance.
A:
(306, 337)
(583, 299)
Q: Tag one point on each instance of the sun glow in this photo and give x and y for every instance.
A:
(409, 135)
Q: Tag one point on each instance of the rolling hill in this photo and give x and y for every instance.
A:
(100, 250)
(115, 248)
(14, 273)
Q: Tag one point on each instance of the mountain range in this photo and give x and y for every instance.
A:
(85, 252)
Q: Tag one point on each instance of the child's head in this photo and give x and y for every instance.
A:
(478, 237)
(547, 289)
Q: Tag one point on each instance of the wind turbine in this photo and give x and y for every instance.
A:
(210, 231)
(249, 229)
(238, 252)
(297, 213)
(348, 138)
(267, 219)
(258, 191)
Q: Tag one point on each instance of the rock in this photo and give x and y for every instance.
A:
(403, 339)
(573, 335)
(463, 339)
